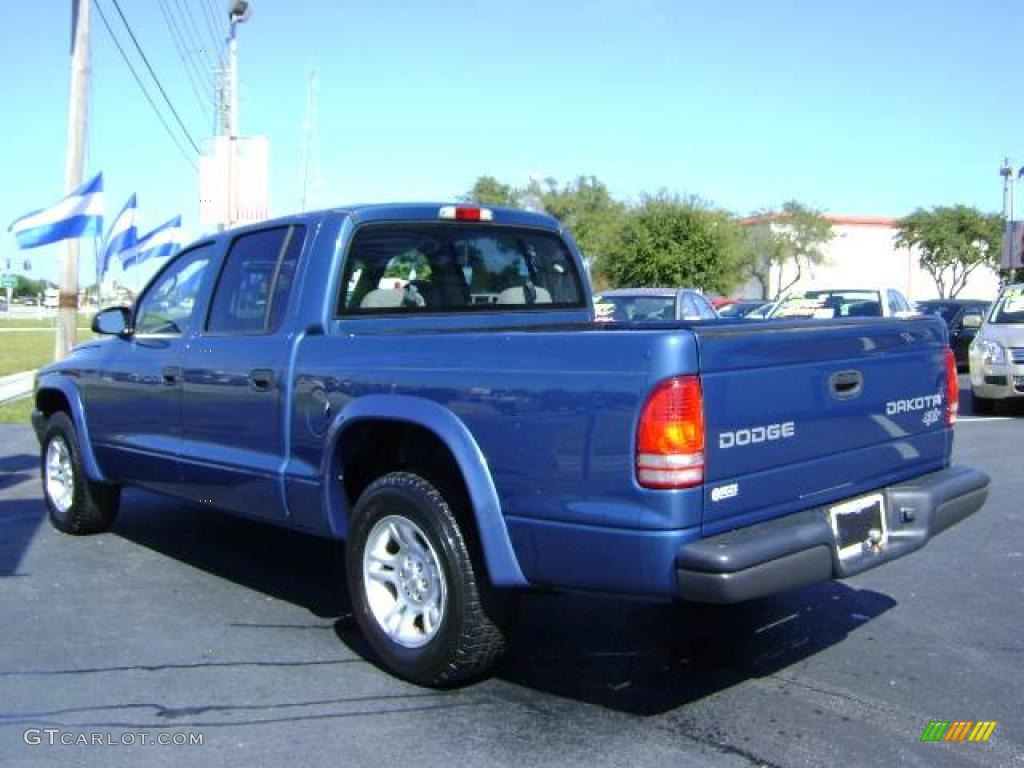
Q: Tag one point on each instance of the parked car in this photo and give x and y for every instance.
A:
(3, 304)
(963, 317)
(761, 313)
(826, 303)
(466, 449)
(996, 356)
(740, 308)
(648, 305)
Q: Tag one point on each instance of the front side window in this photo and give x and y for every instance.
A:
(400, 268)
(255, 283)
(167, 307)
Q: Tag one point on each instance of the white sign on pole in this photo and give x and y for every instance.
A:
(253, 186)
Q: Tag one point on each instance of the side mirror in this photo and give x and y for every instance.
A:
(972, 320)
(113, 321)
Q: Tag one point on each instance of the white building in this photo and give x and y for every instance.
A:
(863, 251)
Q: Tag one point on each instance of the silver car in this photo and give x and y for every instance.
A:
(996, 355)
(649, 305)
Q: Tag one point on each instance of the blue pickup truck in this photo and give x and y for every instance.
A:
(427, 383)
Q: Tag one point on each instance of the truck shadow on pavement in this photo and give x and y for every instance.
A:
(19, 518)
(17, 469)
(19, 521)
(629, 656)
(648, 659)
(290, 566)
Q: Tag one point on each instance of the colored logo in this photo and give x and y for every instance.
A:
(958, 730)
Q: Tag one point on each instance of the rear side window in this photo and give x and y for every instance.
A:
(898, 303)
(256, 281)
(704, 308)
(404, 268)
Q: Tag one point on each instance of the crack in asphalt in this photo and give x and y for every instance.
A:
(162, 711)
(233, 723)
(164, 667)
(286, 626)
(717, 742)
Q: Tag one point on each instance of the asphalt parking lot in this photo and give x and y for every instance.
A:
(186, 622)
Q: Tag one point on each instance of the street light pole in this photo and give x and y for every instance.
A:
(239, 12)
(232, 123)
(1009, 174)
(78, 117)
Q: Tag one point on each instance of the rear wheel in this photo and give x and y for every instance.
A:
(76, 504)
(417, 596)
(982, 405)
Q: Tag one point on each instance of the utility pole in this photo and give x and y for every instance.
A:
(232, 124)
(238, 12)
(78, 119)
(310, 129)
(1009, 174)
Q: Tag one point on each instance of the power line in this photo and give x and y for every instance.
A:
(194, 58)
(211, 26)
(156, 79)
(189, 25)
(142, 87)
(204, 104)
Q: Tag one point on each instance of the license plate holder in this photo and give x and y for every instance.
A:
(858, 525)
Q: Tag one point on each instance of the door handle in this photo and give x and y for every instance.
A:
(172, 374)
(261, 378)
(846, 384)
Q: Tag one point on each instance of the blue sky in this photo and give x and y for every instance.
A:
(868, 107)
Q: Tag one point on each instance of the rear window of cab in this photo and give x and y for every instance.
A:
(424, 268)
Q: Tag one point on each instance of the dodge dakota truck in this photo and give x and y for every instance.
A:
(427, 384)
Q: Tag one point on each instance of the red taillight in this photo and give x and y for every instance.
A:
(952, 390)
(466, 213)
(670, 436)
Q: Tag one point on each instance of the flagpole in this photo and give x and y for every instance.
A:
(78, 118)
(99, 276)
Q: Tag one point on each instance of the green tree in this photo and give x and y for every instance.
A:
(487, 190)
(27, 287)
(587, 209)
(952, 242)
(802, 233)
(669, 241)
(760, 250)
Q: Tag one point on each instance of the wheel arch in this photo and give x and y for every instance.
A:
(400, 429)
(56, 394)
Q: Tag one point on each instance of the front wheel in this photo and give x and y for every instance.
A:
(76, 504)
(416, 594)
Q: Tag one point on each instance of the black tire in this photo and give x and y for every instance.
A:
(467, 640)
(93, 506)
(983, 406)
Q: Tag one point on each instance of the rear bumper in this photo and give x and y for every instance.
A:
(800, 549)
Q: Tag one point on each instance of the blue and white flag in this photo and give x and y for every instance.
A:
(123, 235)
(80, 214)
(165, 240)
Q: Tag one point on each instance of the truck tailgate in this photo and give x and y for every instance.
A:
(806, 413)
